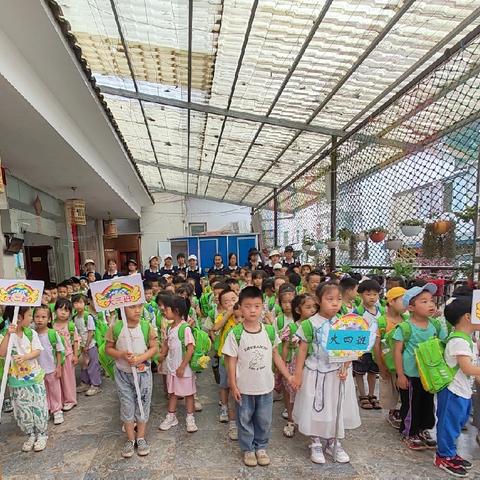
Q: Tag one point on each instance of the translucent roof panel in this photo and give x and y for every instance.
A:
(231, 99)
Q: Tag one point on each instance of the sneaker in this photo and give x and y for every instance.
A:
(169, 422)
(40, 443)
(198, 405)
(223, 418)
(250, 459)
(427, 439)
(128, 449)
(262, 458)
(414, 443)
(289, 429)
(450, 466)
(316, 453)
(285, 414)
(394, 420)
(83, 387)
(143, 448)
(58, 418)
(341, 455)
(233, 431)
(462, 462)
(68, 406)
(191, 425)
(93, 390)
(7, 406)
(28, 444)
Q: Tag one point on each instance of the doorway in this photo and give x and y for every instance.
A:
(36, 262)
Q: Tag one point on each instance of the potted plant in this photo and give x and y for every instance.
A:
(332, 243)
(411, 227)
(344, 235)
(393, 244)
(441, 227)
(377, 234)
(307, 241)
(360, 237)
(403, 269)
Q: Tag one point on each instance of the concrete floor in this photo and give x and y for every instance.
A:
(87, 446)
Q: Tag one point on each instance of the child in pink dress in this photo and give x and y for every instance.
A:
(50, 360)
(180, 377)
(63, 312)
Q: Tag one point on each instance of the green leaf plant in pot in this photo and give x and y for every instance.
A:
(377, 234)
(344, 235)
(411, 227)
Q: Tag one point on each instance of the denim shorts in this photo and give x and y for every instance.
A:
(222, 370)
(129, 410)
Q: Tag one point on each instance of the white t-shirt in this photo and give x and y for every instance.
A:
(46, 358)
(460, 385)
(254, 361)
(138, 346)
(83, 329)
(175, 350)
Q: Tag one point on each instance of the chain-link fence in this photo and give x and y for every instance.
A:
(405, 186)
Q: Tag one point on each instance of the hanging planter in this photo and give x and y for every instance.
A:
(393, 244)
(344, 246)
(377, 235)
(360, 237)
(331, 244)
(411, 227)
(441, 227)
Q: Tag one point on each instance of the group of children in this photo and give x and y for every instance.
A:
(269, 338)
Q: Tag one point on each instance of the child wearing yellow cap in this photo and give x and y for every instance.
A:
(387, 323)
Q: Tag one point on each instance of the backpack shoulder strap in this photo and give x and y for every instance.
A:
(438, 326)
(406, 329)
(360, 310)
(281, 321)
(52, 337)
(181, 333)
(237, 332)
(145, 327)
(461, 335)
(307, 328)
(117, 328)
(382, 325)
(270, 329)
(28, 333)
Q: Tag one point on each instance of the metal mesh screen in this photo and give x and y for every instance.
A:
(406, 180)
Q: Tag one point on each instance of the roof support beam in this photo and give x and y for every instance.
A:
(198, 107)
(292, 69)
(189, 94)
(202, 173)
(202, 197)
(393, 21)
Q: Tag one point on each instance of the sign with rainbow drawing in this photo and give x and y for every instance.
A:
(348, 338)
(21, 293)
(118, 292)
(476, 307)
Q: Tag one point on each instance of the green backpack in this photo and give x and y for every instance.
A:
(101, 326)
(106, 361)
(203, 344)
(238, 330)
(435, 374)
(307, 328)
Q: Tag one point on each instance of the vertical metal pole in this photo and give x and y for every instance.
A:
(476, 232)
(275, 218)
(333, 200)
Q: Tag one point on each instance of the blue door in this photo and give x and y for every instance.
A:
(244, 245)
(208, 247)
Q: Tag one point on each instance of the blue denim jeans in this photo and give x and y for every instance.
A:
(254, 421)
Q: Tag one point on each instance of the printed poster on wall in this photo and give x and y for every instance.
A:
(117, 292)
(21, 293)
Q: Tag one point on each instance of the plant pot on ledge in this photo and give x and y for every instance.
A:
(344, 246)
(377, 236)
(440, 227)
(411, 230)
(393, 244)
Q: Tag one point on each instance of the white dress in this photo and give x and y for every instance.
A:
(315, 408)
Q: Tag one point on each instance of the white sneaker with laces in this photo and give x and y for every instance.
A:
(83, 387)
(93, 390)
(169, 422)
(232, 430)
(68, 406)
(285, 414)
(223, 418)
(341, 455)
(316, 453)
(58, 418)
(28, 444)
(40, 443)
(191, 425)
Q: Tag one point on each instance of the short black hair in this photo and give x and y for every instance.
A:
(75, 280)
(348, 283)
(259, 274)
(462, 291)
(268, 283)
(231, 281)
(224, 292)
(456, 308)
(63, 303)
(369, 286)
(295, 279)
(314, 273)
(180, 255)
(286, 287)
(147, 285)
(250, 292)
(220, 286)
(399, 280)
(78, 297)
(178, 279)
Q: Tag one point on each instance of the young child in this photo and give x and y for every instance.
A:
(90, 373)
(180, 377)
(67, 330)
(454, 402)
(150, 308)
(286, 317)
(144, 345)
(50, 359)
(313, 280)
(249, 350)
(62, 290)
(389, 395)
(300, 307)
(349, 288)
(25, 379)
(369, 291)
(417, 409)
(225, 322)
(258, 276)
(315, 408)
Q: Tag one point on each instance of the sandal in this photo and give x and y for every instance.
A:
(374, 402)
(365, 403)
